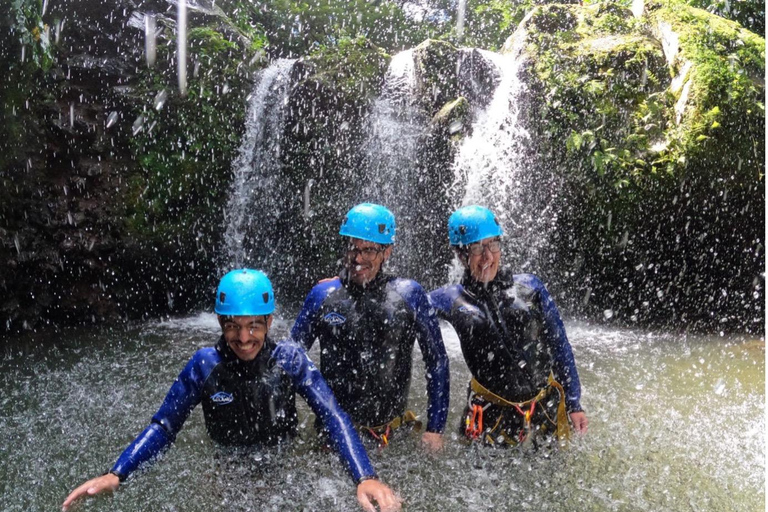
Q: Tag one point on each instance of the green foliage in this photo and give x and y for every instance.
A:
(352, 65)
(185, 148)
(298, 28)
(749, 13)
(489, 24)
(29, 30)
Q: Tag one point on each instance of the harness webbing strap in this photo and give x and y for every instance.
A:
(382, 433)
(562, 429)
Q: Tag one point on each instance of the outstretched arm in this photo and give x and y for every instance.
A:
(310, 384)
(183, 396)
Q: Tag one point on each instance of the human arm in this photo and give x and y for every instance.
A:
(564, 364)
(430, 342)
(158, 436)
(311, 385)
(301, 332)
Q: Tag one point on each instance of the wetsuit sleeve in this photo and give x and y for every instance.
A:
(435, 359)
(301, 332)
(311, 385)
(442, 300)
(183, 396)
(564, 362)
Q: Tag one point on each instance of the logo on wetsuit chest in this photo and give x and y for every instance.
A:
(222, 398)
(334, 319)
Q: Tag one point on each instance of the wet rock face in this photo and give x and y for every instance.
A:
(71, 180)
(644, 163)
(112, 185)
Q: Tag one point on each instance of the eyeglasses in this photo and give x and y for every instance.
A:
(366, 253)
(233, 328)
(478, 248)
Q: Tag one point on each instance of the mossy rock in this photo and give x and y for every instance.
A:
(436, 80)
(551, 19)
(659, 144)
(454, 119)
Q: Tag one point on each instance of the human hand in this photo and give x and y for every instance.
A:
(374, 490)
(579, 422)
(94, 486)
(432, 441)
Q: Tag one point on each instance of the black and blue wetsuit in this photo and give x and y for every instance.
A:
(511, 335)
(366, 337)
(247, 403)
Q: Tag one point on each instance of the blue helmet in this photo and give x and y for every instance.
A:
(471, 224)
(372, 222)
(245, 292)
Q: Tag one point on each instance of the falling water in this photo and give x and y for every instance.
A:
(460, 15)
(490, 164)
(181, 44)
(256, 170)
(150, 39)
(396, 126)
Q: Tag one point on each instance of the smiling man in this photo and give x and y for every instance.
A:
(247, 385)
(524, 379)
(366, 322)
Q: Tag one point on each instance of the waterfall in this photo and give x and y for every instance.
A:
(460, 15)
(253, 206)
(489, 168)
(390, 155)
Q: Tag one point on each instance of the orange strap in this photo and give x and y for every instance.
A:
(474, 422)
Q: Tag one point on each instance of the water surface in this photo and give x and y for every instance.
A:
(676, 423)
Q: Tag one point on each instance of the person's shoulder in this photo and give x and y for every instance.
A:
(326, 286)
(202, 362)
(206, 355)
(287, 345)
(532, 281)
(444, 297)
(405, 286)
(291, 356)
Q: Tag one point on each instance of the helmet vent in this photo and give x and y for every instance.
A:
(463, 230)
(222, 296)
(265, 296)
(382, 228)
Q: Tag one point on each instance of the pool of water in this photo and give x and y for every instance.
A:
(676, 423)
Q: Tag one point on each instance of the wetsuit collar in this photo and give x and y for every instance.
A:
(502, 281)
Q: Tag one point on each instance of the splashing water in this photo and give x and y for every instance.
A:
(691, 438)
(150, 39)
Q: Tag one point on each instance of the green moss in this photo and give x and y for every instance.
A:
(436, 72)
(353, 66)
(184, 147)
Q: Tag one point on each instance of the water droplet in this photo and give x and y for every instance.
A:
(160, 99)
(138, 125)
(112, 119)
(608, 314)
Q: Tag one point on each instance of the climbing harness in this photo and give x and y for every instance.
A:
(382, 433)
(481, 399)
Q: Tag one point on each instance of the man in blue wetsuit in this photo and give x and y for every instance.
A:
(246, 383)
(366, 322)
(524, 379)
